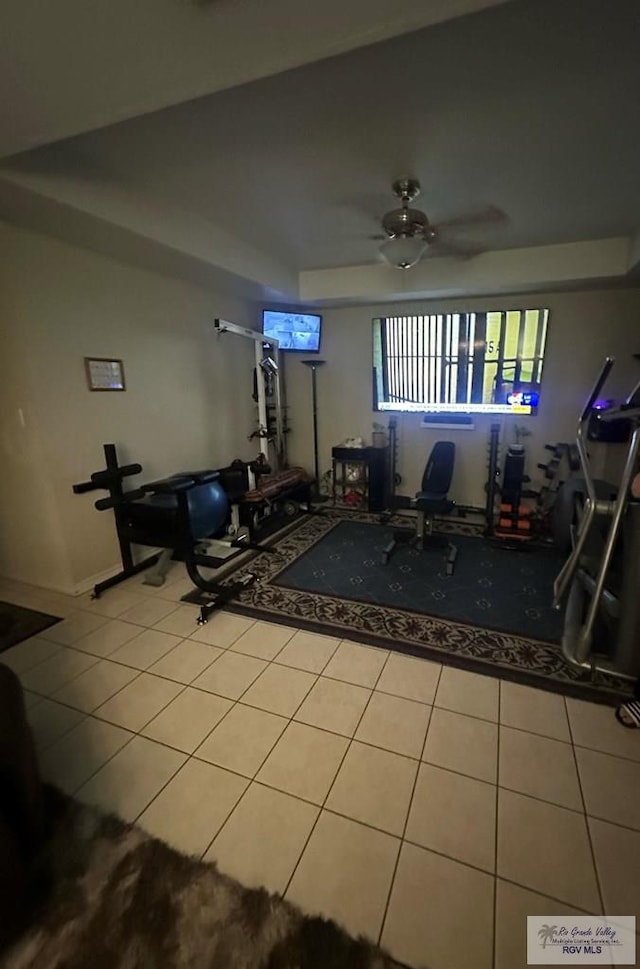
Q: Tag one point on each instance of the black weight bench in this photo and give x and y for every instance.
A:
(432, 500)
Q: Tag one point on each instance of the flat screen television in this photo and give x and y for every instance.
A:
(293, 331)
(460, 363)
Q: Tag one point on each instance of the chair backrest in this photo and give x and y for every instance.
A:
(439, 470)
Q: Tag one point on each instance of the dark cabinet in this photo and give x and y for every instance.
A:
(363, 472)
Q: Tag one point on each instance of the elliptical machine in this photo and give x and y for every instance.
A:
(601, 577)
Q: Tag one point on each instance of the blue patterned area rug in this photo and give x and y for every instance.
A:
(493, 616)
(492, 587)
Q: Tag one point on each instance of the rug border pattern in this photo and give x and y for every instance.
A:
(516, 658)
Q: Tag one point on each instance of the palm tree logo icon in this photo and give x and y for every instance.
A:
(547, 933)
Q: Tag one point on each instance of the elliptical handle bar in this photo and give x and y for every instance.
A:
(597, 387)
(567, 571)
(583, 425)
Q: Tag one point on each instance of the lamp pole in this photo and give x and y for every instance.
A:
(313, 365)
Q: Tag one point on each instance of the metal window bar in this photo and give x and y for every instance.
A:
(389, 361)
(388, 356)
(437, 359)
(393, 357)
(396, 360)
(400, 361)
(384, 349)
(421, 362)
(463, 360)
(471, 344)
(540, 343)
(441, 358)
(520, 348)
(479, 353)
(443, 323)
(501, 342)
(402, 357)
(416, 364)
(453, 372)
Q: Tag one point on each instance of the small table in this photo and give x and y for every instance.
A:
(369, 475)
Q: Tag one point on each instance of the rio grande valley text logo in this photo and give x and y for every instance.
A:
(581, 940)
(574, 940)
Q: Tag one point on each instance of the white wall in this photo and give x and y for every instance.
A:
(584, 327)
(187, 403)
(188, 392)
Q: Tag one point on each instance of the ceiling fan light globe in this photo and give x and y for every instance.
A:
(403, 251)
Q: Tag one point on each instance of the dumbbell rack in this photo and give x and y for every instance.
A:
(492, 487)
(514, 519)
(564, 461)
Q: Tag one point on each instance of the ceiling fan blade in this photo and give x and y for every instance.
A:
(366, 204)
(463, 249)
(379, 237)
(488, 215)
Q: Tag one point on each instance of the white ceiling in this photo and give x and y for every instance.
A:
(530, 106)
(75, 65)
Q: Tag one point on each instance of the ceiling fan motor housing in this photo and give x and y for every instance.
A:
(406, 189)
(409, 232)
(406, 222)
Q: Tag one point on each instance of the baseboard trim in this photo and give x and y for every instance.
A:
(84, 585)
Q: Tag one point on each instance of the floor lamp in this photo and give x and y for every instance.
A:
(313, 366)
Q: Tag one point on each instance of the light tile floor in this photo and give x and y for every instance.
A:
(401, 798)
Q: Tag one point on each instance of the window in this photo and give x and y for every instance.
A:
(489, 362)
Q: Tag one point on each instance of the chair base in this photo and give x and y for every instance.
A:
(423, 543)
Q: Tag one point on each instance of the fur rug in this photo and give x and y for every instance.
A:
(118, 899)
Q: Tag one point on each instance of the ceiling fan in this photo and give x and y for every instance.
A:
(408, 232)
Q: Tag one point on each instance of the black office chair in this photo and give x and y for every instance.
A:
(432, 499)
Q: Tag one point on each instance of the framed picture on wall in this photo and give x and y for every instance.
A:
(104, 374)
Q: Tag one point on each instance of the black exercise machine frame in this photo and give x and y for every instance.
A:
(235, 480)
(186, 550)
(111, 478)
(421, 536)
